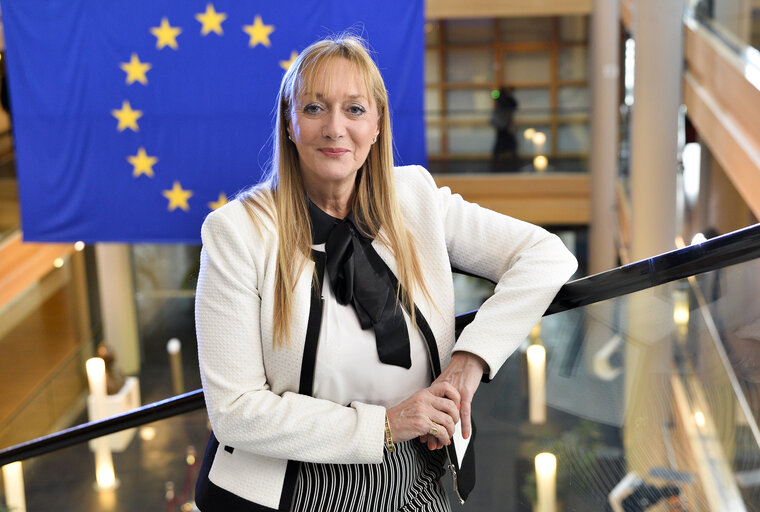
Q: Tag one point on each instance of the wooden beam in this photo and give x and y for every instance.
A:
(438, 9)
(23, 264)
(545, 199)
(723, 104)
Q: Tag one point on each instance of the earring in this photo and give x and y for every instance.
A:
(289, 137)
(374, 139)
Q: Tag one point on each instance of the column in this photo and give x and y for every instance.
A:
(658, 33)
(117, 304)
(603, 157)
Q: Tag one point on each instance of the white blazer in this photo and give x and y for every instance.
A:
(252, 388)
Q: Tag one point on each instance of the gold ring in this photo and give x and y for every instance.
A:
(434, 429)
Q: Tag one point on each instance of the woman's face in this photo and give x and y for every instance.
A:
(333, 126)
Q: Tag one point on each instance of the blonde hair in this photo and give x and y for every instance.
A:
(282, 199)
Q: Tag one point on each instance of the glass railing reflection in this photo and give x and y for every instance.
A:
(155, 471)
(738, 20)
(533, 139)
(634, 400)
(643, 401)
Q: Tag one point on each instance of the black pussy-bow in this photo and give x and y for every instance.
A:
(359, 277)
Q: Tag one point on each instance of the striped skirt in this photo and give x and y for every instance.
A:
(409, 479)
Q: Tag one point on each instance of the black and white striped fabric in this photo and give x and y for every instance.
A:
(409, 479)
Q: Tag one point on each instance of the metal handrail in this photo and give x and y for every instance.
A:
(719, 252)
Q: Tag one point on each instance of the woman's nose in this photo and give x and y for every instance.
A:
(334, 126)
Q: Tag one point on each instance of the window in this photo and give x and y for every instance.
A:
(545, 62)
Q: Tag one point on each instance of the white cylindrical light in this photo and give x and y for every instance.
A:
(96, 376)
(13, 478)
(681, 309)
(536, 383)
(546, 482)
(540, 163)
(105, 476)
(174, 349)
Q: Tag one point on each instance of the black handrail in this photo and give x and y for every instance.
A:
(719, 252)
(149, 413)
(730, 249)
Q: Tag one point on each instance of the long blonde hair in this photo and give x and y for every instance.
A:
(282, 199)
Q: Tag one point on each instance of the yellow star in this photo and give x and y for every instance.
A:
(135, 70)
(219, 202)
(211, 20)
(166, 35)
(285, 64)
(127, 117)
(259, 32)
(178, 197)
(143, 164)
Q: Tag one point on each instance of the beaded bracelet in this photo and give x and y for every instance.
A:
(388, 435)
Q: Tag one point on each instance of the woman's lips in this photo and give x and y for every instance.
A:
(333, 152)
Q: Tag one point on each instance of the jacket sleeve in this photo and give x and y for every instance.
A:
(527, 263)
(244, 413)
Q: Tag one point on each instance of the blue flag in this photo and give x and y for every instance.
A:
(134, 118)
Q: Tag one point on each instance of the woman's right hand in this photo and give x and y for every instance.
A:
(414, 417)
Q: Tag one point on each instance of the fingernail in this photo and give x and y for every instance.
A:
(449, 443)
(466, 436)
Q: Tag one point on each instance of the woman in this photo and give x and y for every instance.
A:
(325, 308)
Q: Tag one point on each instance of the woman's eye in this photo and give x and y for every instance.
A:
(312, 109)
(356, 110)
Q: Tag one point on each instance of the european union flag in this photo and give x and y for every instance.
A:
(133, 118)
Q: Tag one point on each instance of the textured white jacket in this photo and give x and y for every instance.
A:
(252, 388)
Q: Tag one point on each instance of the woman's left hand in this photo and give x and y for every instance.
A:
(464, 372)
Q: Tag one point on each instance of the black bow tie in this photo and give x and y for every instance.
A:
(359, 277)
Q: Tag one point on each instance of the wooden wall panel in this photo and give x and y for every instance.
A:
(545, 199)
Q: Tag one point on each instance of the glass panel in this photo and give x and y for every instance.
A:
(573, 99)
(433, 139)
(469, 66)
(432, 104)
(526, 30)
(165, 278)
(573, 28)
(527, 67)
(432, 67)
(469, 104)
(636, 391)
(735, 19)
(533, 140)
(155, 466)
(573, 63)
(469, 31)
(470, 139)
(532, 102)
(656, 392)
(470, 292)
(573, 138)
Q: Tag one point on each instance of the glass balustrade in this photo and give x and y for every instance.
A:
(655, 393)
(738, 20)
(653, 396)
(154, 468)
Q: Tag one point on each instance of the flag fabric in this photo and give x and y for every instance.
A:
(133, 119)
